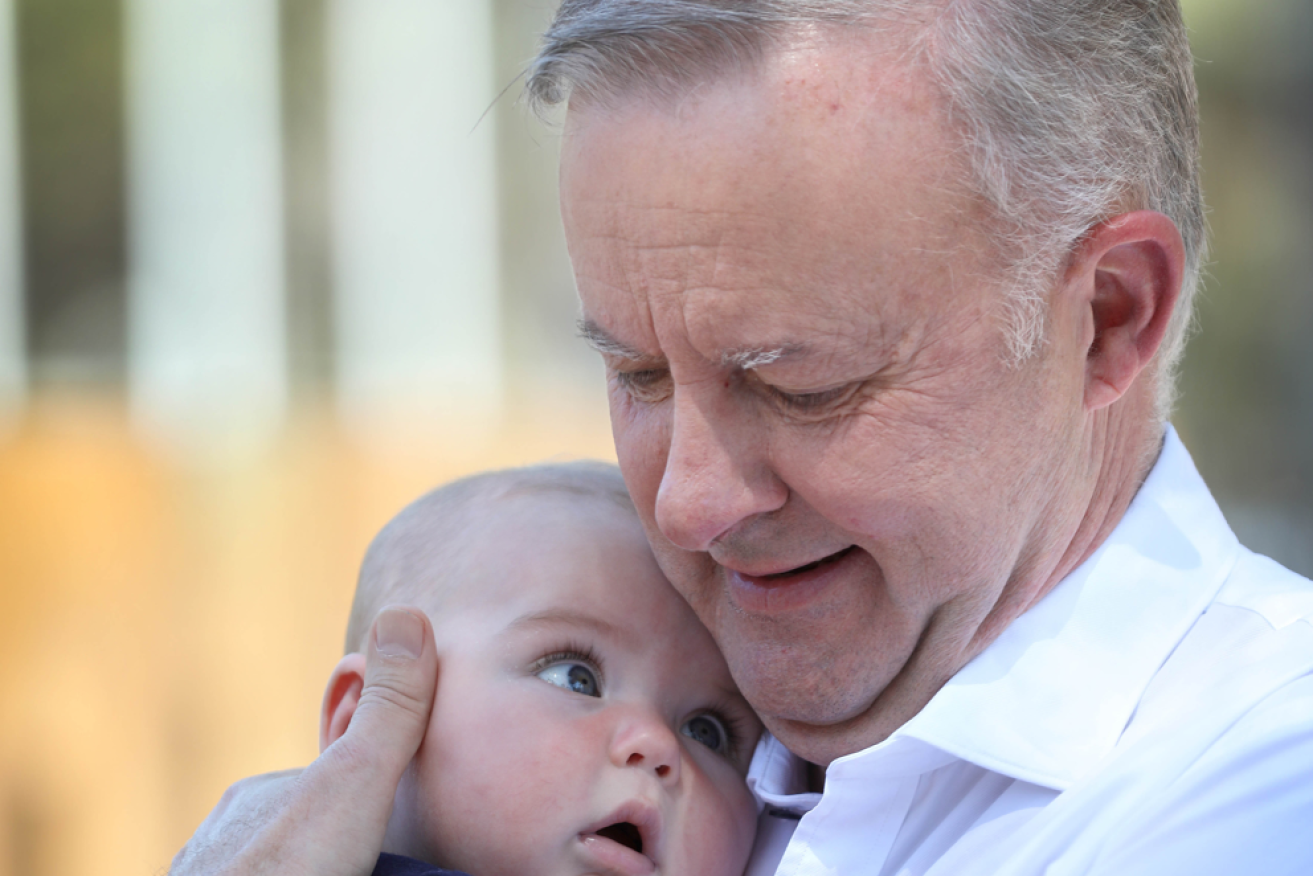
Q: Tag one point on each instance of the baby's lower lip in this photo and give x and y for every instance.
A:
(615, 857)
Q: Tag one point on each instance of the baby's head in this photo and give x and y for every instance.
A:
(584, 721)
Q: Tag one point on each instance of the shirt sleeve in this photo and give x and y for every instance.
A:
(397, 865)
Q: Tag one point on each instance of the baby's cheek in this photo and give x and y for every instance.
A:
(406, 834)
(722, 824)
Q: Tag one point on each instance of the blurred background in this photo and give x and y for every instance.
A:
(271, 268)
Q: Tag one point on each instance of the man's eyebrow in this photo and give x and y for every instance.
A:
(600, 340)
(564, 617)
(757, 357)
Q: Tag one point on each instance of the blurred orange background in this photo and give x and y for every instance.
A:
(183, 509)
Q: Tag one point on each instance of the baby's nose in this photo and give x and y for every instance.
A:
(643, 741)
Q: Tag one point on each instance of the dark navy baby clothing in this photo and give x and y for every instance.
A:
(396, 865)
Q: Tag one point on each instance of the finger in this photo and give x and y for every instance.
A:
(400, 671)
(355, 779)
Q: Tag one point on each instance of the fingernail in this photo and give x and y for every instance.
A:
(398, 633)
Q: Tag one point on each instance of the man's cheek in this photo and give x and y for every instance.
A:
(641, 450)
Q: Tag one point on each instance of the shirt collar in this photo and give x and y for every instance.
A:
(1051, 696)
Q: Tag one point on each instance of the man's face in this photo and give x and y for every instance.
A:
(584, 720)
(810, 394)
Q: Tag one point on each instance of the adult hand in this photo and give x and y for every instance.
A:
(329, 818)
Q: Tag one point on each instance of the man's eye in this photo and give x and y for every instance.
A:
(577, 677)
(708, 730)
(647, 385)
(810, 401)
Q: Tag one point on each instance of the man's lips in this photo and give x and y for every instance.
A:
(763, 590)
(807, 567)
(759, 574)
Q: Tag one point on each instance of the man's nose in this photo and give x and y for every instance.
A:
(717, 472)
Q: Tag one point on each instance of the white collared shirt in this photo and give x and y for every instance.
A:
(1151, 716)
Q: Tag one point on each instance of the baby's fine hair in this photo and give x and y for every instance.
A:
(421, 550)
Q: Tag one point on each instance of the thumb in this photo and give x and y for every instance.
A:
(359, 772)
(400, 670)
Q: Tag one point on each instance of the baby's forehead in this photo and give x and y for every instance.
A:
(539, 535)
(457, 540)
(599, 584)
(520, 526)
(513, 541)
(496, 519)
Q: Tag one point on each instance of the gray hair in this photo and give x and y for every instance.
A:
(1073, 111)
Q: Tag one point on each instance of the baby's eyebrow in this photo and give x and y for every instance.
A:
(565, 617)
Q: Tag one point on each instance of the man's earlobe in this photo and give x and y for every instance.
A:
(341, 698)
(1136, 262)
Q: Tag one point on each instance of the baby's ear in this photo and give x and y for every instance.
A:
(341, 698)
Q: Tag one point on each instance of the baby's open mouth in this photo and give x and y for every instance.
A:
(624, 833)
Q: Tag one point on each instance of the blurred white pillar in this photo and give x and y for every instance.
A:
(13, 371)
(414, 203)
(207, 340)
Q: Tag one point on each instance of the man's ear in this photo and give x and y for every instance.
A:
(341, 698)
(1129, 270)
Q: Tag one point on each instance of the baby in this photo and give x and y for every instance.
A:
(584, 720)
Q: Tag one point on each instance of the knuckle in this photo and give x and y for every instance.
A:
(392, 707)
(349, 755)
(390, 693)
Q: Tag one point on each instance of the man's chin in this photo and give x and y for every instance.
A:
(781, 677)
(821, 744)
(819, 727)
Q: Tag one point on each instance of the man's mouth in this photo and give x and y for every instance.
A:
(807, 567)
(625, 833)
(771, 589)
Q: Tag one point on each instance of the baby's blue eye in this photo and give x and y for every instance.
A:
(709, 731)
(572, 676)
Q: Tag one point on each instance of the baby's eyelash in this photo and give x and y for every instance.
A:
(736, 726)
(573, 651)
